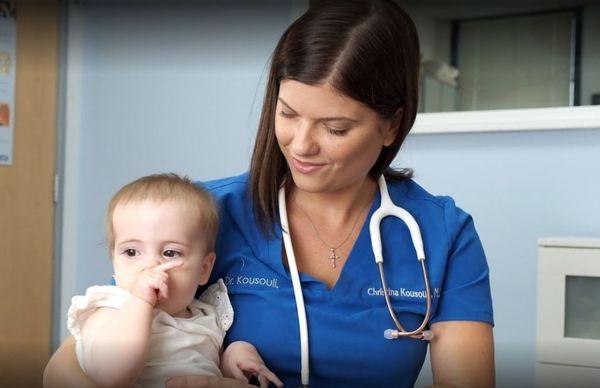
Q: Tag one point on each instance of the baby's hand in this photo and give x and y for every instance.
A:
(241, 361)
(151, 283)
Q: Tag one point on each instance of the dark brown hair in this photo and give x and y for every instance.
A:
(368, 50)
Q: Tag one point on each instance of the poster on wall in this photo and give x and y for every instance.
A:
(8, 57)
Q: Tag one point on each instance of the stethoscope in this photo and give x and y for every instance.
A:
(387, 208)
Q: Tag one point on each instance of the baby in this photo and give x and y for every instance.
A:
(149, 328)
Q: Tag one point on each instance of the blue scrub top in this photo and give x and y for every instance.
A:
(346, 323)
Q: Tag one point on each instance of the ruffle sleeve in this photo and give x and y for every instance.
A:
(95, 297)
(216, 295)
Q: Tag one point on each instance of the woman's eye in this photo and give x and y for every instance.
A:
(283, 113)
(336, 131)
(171, 253)
(131, 252)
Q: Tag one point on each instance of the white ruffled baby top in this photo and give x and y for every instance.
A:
(178, 346)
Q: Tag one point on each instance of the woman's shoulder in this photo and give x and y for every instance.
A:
(233, 200)
(230, 186)
(410, 192)
(429, 208)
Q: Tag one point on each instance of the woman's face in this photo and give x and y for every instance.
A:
(329, 141)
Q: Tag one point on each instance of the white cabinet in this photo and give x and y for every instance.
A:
(568, 316)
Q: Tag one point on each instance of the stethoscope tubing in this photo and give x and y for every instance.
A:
(291, 259)
(386, 209)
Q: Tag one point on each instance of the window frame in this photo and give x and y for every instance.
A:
(575, 116)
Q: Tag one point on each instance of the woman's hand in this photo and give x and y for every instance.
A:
(63, 371)
(205, 382)
(242, 361)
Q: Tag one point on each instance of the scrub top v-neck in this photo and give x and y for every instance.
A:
(346, 323)
(356, 253)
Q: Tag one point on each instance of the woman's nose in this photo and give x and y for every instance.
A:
(304, 142)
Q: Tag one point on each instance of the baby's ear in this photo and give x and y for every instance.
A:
(207, 265)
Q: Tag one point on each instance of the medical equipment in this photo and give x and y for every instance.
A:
(387, 208)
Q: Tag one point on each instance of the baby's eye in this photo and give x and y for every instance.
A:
(131, 252)
(171, 253)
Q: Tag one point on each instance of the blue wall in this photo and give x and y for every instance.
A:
(179, 89)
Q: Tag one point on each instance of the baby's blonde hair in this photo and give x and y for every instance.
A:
(167, 187)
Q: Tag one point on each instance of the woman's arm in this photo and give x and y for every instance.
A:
(205, 382)
(63, 371)
(462, 354)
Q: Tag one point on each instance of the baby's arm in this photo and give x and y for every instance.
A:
(241, 361)
(115, 342)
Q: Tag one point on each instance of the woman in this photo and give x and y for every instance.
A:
(341, 98)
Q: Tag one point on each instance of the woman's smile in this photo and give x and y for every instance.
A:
(306, 167)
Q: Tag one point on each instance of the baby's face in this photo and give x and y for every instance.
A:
(149, 233)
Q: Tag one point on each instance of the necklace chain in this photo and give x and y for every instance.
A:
(332, 255)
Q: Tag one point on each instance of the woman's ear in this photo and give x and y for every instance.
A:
(207, 265)
(391, 127)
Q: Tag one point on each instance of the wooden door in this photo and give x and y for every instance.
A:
(26, 200)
